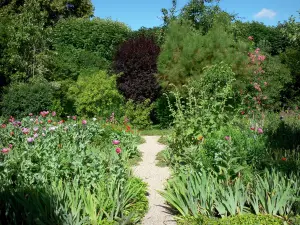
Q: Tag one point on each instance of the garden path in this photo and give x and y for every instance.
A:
(155, 176)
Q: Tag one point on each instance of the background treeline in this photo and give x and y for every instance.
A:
(55, 55)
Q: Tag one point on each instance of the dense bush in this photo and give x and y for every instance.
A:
(138, 114)
(235, 220)
(24, 98)
(96, 94)
(161, 113)
(187, 52)
(96, 35)
(136, 61)
(262, 35)
(84, 44)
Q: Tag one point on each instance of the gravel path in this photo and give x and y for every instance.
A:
(155, 176)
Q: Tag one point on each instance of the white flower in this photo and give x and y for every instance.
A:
(94, 119)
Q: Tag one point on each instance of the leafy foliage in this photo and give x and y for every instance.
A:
(96, 94)
(24, 98)
(139, 113)
(187, 52)
(197, 193)
(71, 173)
(136, 61)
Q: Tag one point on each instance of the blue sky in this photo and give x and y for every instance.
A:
(137, 13)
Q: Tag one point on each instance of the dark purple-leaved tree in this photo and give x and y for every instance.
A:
(136, 60)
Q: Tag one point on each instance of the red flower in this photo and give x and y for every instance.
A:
(3, 125)
(118, 150)
(49, 121)
(252, 128)
(283, 159)
(243, 112)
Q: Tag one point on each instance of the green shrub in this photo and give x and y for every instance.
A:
(139, 113)
(203, 109)
(187, 52)
(96, 94)
(24, 98)
(236, 220)
(162, 113)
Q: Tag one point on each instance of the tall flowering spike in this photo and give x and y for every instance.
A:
(115, 142)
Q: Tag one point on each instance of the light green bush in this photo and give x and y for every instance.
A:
(139, 113)
(236, 220)
(96, 94)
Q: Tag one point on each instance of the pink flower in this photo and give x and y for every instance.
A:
(257, 50)
(53, 113)
(25, 131)
(227, 138)
(3, 125)
(250, 38)
(260, 131)
(30, 140)
(84, 122)
(10, 146)
(265, 83)
(35, 135)
(115, 142)
(44, 113)
(118, 150)
(5, 150)
(74, 117)
(30, 114)
(35, 129)
(261, 58)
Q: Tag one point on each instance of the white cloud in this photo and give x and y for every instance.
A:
(265, 13)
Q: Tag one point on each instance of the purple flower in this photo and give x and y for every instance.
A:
(115, 142)
(260, 131)
(84, 122)
(30, 140)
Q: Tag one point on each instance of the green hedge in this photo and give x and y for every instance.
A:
(236, 220)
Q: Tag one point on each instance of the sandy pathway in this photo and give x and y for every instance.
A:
(155, 177)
